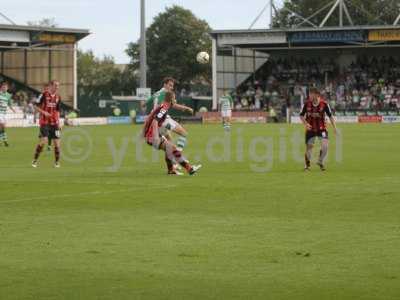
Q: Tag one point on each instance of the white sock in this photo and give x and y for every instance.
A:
(181, 143)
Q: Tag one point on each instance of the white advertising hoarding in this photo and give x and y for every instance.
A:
(225, 39)
(14, 36)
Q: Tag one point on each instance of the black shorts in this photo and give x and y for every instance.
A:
(50, 131)
(312, 135)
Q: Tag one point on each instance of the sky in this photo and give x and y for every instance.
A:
(113, 24)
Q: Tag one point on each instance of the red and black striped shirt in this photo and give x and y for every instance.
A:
(316, 114)
(159, 113)
(50, 104)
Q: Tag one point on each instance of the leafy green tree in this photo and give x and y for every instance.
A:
(363, 12)
(173, 41)
(100, 76)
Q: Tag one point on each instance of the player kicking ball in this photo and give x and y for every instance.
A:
(313, 115)
(225, 103)
(169, 124)
(151, 133)
(48, 107)
(5, 103)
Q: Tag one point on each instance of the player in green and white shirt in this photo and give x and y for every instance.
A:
(226, 102)
(155, 100)
(5, 103)
(169, 124)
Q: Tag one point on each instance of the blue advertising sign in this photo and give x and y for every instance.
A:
(140, 119)
(326, 36)
(119, 120)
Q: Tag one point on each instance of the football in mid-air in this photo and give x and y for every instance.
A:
(203, 57)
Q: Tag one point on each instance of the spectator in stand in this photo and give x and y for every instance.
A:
(259, 98)
(238, 105)
(30, 111)
(272, 114)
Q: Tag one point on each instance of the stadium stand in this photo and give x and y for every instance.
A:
(369, 83)
(357, 68)
(30, 57)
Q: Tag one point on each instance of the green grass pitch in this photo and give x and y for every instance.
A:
(249, 226)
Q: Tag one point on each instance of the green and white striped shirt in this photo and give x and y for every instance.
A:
(5, 102)
(155, 100)
(226, 102)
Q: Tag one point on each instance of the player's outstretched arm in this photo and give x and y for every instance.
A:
(333, 122)
(182, 108)
(10, 105)
(328, 111)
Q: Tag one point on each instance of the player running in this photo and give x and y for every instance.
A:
(169, 124)
(5, 103)
(154, 138)
(313, 116)
(226, 102)
(49, 109)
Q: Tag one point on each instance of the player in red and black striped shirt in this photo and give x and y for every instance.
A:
(49, 108)
(313, 115)
(153, 137)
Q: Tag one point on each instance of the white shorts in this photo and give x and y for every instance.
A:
(226, 113)
(2, 119)
(169, 124)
